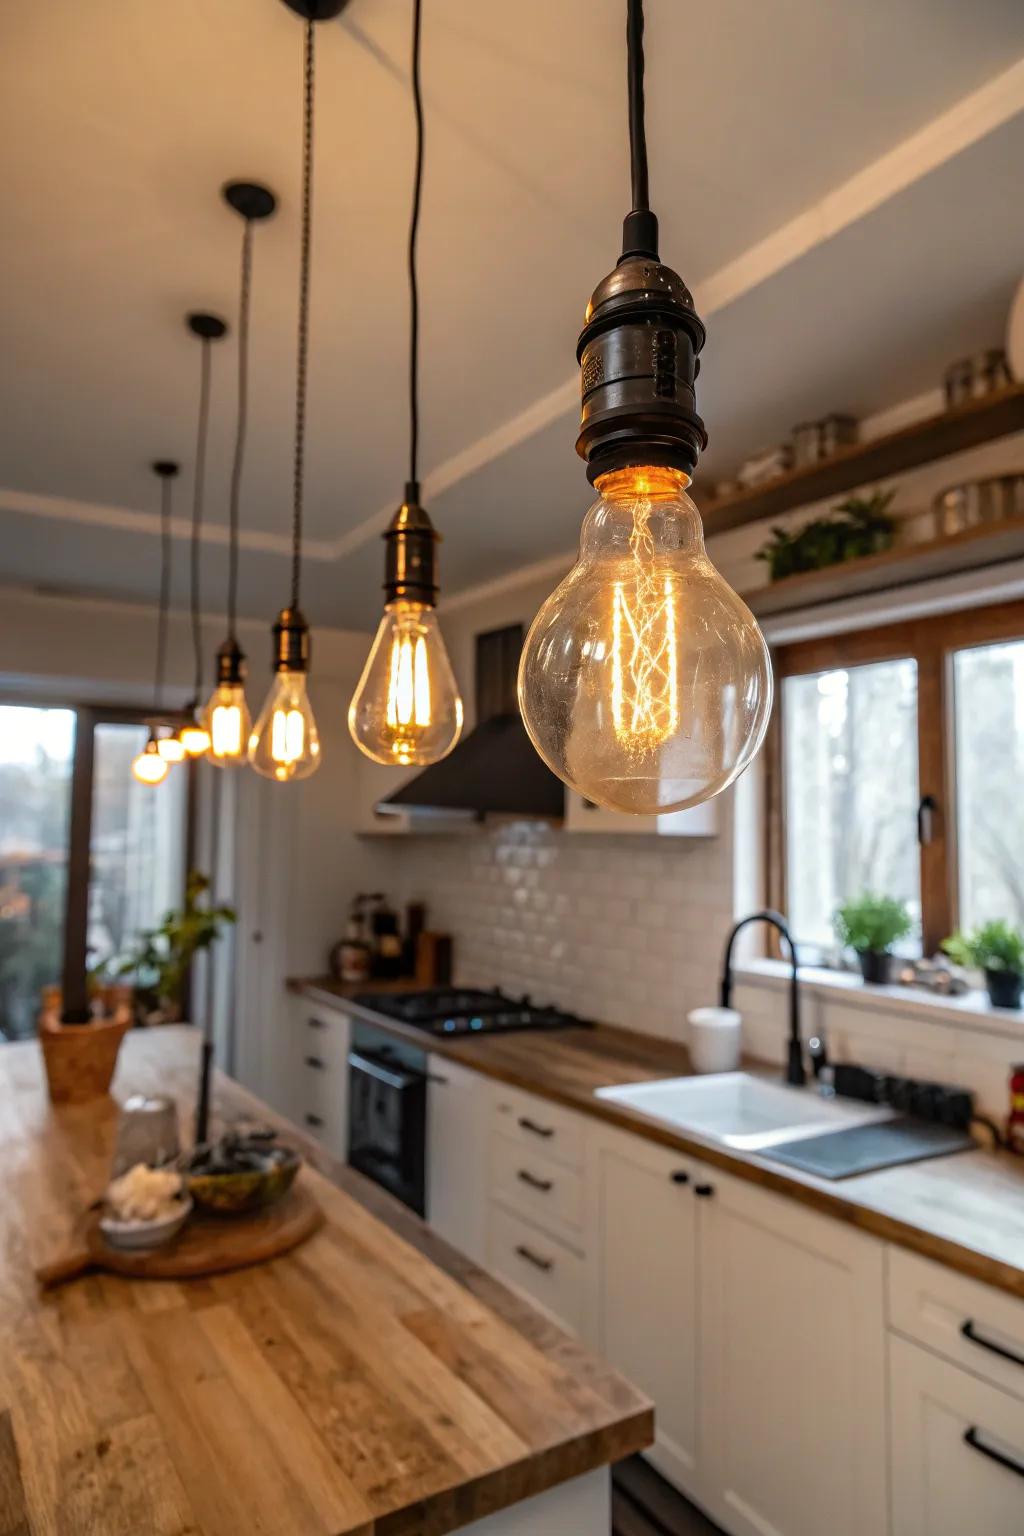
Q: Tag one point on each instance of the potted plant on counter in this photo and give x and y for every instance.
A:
(997, 949)
(871, 925)
(159, 961)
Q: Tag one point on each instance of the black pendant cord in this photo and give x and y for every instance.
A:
(198, 490)
(244, 303)
(640, 228)
(165, 590)
(414, 297)
(302, 370)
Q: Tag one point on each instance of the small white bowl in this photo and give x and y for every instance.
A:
(139, 1235)
(714, 1037)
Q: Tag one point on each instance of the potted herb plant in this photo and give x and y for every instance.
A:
(871, 925)
(159, 962)
(997, 949)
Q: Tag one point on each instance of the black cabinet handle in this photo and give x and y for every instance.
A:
(532, 1258)
(544, 1185)
(314, 1061)
(971, 1334)
(315, 1023)
(704, 1190)
(537, 1130)
(313, 1120)
(971, 1438)
(679, 1176)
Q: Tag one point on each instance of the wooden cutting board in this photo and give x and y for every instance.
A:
(206, 1245)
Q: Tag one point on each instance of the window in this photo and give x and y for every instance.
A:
(100, 885)
(898, 768)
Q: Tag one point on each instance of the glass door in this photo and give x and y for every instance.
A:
(37, 749)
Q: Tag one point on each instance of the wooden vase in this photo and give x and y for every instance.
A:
(80, 1058)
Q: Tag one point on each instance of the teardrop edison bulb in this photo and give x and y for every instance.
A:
(285, 743)
(149, 767)
(407, 707)
(226, 718)
(645, 682)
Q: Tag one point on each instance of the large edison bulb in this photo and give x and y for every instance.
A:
(149, 767)
(645, 682)
(285, 743)
(228, 724)
(407, 708)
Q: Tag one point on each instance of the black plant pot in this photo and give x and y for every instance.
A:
(1004, 988)
(874, 965)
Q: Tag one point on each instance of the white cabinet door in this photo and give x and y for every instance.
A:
(792, 1367)
(642, 1314)
(458, 1104)
(958, 1450)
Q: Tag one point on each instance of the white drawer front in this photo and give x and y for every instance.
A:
(972, 1324)
(538, 1125)
(547, 1192)
(536, 1264)
(958, 1450)
(324, 1036)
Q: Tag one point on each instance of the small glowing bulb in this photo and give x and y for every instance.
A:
(194, 738)
(149, 767)
(285, 743)
(407, 708)
(227, 722)
(645, 683)
(170, 748)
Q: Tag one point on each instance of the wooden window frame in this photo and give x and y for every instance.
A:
(930, 642)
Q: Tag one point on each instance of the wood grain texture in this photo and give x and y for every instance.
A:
(966, 1211)
(371, 1381)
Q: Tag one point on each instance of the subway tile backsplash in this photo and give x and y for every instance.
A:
(628, 930)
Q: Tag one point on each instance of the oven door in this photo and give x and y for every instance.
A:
(387, 1124)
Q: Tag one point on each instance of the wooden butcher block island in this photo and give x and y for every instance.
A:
(371, 1381)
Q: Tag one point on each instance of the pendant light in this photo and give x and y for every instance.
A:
(151, 766)
(226, 717)
(193, 735)
(645, 683)
(406, 708)
(285, 743)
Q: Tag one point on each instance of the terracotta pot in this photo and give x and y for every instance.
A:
(80, 1058)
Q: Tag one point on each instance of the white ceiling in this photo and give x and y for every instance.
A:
(120, 122)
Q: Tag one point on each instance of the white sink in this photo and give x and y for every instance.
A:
(742, 1111)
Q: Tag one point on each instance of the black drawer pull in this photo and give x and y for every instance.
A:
(532, 1258)
(544, 1185)
(680, 1176)
(969, 1332)
(538, 1130)
(704, 1190)
(315, 1023)
(314, 1061)
(313, 1120)
(971, 1438)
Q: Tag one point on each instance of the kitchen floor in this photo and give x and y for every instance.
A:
(644, 1504)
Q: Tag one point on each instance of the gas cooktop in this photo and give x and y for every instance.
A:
(463, 1011)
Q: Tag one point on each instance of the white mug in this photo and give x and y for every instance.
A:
(714, 1039)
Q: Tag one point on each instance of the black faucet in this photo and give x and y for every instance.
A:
(795, 1073)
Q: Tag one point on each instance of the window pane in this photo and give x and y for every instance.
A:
(851, 788)
(989, 698)
(137, 848)
(36, 754)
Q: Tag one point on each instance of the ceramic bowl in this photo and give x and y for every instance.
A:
(140, 1235)
(247, 1190)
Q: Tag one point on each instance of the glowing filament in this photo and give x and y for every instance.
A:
(226, 730)
(408, 702)
(288, 735)
(644, 653)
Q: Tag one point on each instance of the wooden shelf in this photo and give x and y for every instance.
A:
(904, 566)
(936, 437)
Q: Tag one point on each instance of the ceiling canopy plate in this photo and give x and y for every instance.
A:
(250, 199)
(209, 327)
(317, 10)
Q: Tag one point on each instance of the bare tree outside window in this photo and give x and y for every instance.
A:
(989, 709)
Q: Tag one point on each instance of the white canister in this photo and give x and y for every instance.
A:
(714, 1039)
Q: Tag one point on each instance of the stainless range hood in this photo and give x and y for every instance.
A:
(495, 770)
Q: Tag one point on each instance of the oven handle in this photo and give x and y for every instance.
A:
(384, 1074)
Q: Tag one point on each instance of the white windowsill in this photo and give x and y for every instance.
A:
(971, 1011)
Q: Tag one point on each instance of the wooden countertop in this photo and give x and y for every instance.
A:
(966, 1211)
(373, 1381)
